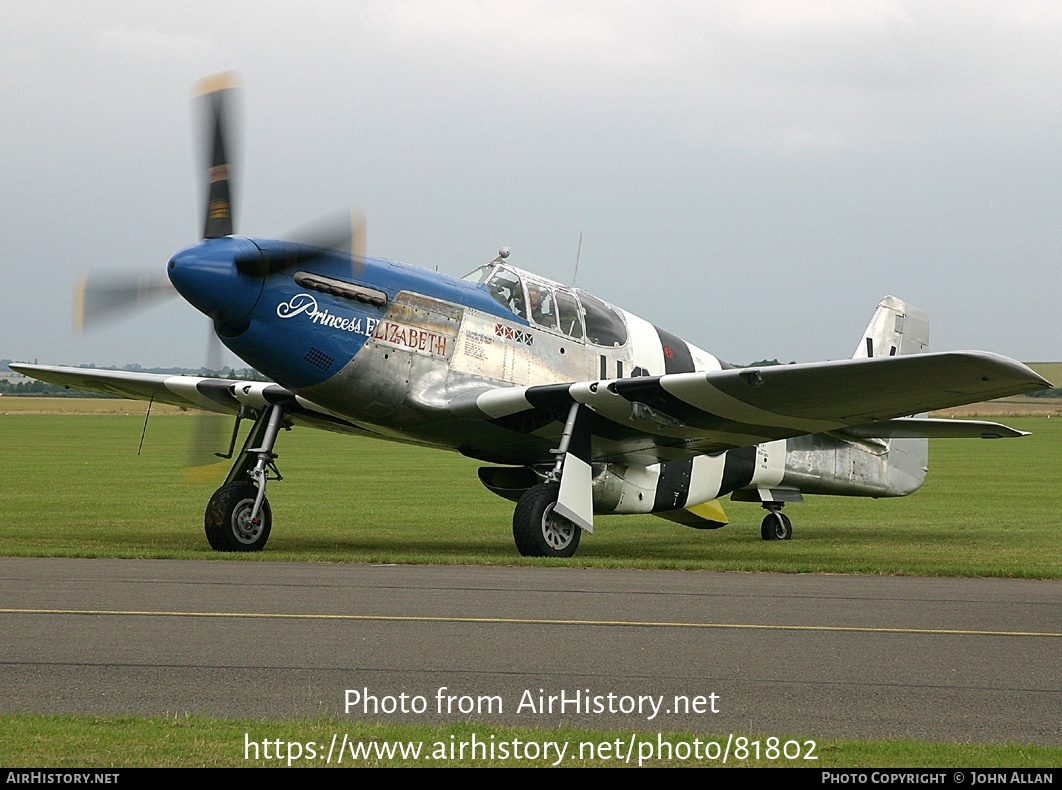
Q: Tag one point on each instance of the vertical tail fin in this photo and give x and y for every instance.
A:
(896, 328)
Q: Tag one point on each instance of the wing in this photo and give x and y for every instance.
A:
(658, 418)
(210, 394)
(225, 396)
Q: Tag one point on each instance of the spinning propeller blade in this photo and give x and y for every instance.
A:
(101, 298)
(359, 235)
(344, 235)
(210, 432)
(217, 94)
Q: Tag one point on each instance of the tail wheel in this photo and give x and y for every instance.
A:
(538, 530)
(228, 522)
(776, 526)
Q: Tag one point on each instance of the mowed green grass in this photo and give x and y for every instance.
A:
(74, 486)
(193, 741)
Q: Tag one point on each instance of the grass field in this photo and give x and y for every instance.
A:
(89, 741)
(74, 486)
(23, 405)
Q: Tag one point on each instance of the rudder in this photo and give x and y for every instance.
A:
(896, 328)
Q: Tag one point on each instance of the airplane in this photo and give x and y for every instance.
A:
(578, 408)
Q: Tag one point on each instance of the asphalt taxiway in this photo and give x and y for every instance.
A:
(966, 660)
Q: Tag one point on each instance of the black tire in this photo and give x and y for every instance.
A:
(539, 532)
(776, 526)
(227, 519)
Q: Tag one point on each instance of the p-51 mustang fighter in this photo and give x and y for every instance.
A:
(578, 407)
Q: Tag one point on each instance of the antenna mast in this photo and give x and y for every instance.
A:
(578, 252)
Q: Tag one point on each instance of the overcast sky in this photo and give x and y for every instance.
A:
(753, 176)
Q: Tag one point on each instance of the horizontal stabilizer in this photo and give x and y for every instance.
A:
(930, 428)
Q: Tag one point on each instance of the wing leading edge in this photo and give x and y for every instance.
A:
(210, 394)
(224, 396)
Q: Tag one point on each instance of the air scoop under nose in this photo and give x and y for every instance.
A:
(208, 276)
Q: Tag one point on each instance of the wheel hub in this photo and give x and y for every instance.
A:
(557, 531)
(245, 528)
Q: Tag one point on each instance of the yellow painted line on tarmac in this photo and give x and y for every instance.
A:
(530, 621)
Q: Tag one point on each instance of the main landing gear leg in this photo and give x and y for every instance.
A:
(539, 529)
(776, 525)
(238, 517)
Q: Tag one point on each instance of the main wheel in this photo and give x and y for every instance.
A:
(538, 530)
(776, 526)
(228, 519)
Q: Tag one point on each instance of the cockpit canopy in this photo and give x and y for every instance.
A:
(552, 306)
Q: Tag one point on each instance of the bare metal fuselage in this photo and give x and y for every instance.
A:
(425, 354)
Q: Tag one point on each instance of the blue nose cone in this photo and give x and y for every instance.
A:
(206, 274)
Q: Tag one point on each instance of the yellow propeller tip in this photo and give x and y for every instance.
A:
(210, 473)
(217, 82)
(78, 316)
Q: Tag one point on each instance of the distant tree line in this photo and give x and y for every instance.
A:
(1054, 392)
(42, 388)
